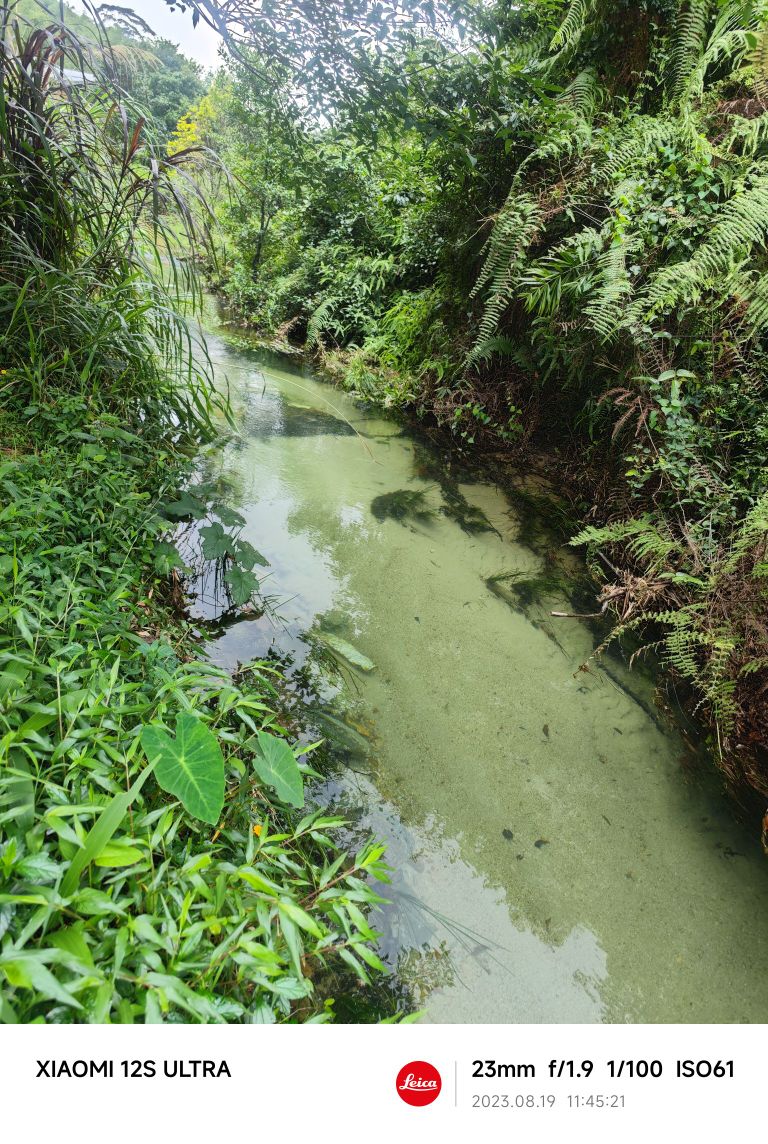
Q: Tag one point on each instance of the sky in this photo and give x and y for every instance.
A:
(200, 43)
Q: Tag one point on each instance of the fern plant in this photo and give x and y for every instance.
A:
(512, 235)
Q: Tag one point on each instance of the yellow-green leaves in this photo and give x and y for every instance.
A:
(29, 971)
(189, 766)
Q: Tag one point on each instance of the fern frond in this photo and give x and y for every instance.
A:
(740, 226)
(746, 136)
(642, 536)
(569, 270)
(607, 306)
(688, 40)
(516, 227)
(583, 93)
(754, 528)
(640, 137)
(730, 39)
(758, 58)
(320, 323)
(485, 350)
(755, 321)
(570, 31)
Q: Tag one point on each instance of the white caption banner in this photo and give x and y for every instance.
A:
(335, 1083)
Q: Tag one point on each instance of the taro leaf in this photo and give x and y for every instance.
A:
(216, 542)
(277, 767)
(191, 766)
(186, 505)
(247, 556)
(242, 584)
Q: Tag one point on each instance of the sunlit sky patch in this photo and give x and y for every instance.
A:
(200, 43)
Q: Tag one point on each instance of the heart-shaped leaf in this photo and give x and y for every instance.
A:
(247, 556)
(186, 505)
(242, 584)
(277, 767)
(191, 766)
(216, 542)
(166, 557)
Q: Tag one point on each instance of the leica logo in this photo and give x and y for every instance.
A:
(418, 1083)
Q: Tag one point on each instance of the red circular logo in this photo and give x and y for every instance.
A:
(418, 1083)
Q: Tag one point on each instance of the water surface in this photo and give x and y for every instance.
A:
(554, 860)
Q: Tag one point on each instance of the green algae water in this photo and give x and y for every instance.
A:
(553, 860)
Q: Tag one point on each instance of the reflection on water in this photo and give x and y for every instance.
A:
(553, 861)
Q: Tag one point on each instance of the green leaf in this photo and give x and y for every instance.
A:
(354, 964)
(186, 505)
(152, 1012)
(70, 939)
(38, 868)
(247, 556)
(12, 678)
(216, 542)
(242, 584)
(369, 956)
(277, 767)
(27, 971)
(95, 903)
(257, 882)
(301, 917)
(293, 941)
(100, 833)
(229, 516)
(166, 557)
(181, 994)
(191, 766)
(119, 854)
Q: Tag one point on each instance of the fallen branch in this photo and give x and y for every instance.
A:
(577, 615)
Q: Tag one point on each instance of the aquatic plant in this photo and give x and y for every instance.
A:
(403, 505)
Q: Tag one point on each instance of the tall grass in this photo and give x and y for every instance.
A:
(98, 235)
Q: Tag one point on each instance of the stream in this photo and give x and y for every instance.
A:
(554, 858)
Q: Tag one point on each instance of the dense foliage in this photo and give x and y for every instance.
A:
(157, 859)
(546, 227)
(542, 226)
(143, 65)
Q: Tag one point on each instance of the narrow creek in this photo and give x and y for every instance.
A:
(553, 859)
